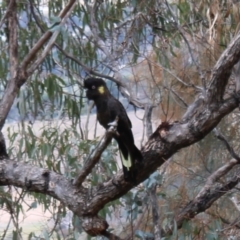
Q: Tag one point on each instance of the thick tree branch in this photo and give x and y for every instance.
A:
(33, 178)
(222, 71)
(162, 144)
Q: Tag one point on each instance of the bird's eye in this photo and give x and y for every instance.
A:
(93, 87)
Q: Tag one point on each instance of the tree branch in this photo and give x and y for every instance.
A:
(12, 41)
(163, 143)
(31, 55)
(209, 193)
(204, 200)
(94, 157)
(222, 71)
(8, 11)
(52, 40)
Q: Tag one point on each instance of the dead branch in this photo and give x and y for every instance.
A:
(217, 175)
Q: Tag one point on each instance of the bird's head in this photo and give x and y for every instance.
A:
(96, 88)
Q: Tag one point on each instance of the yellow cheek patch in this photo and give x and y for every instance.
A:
(101, 90)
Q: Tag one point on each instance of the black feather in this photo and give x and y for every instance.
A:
(108, 108)
(3, 150)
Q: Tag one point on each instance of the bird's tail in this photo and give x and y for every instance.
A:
(129, 163)
(128, 167)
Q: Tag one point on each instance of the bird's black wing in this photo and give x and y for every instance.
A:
(116, 108)
(128, 151)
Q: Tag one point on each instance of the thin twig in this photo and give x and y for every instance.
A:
(6, 229)
(226, 143)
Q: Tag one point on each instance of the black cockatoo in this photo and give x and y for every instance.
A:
(108, 108)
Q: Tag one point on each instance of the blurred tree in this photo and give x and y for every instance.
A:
(176, 63)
